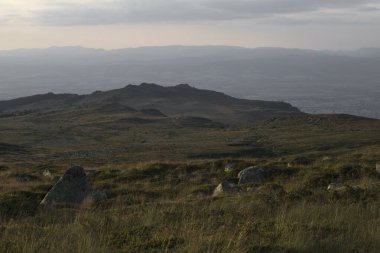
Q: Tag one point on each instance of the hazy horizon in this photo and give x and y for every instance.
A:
(109, 24)
(190, 45)
(314, 81)
(320, 55)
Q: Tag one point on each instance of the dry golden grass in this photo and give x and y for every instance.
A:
(159, 179)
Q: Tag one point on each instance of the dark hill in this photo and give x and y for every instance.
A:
(176, 101)
(39, 101)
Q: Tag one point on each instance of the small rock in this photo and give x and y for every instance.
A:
(47, 173)
(337, 187)
(254, 174)
(72, 188)
(229, 168)
(99, 196)
(378, 167)
(225, 187)
(326, 158)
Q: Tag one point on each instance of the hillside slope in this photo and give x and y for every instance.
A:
(176, 101)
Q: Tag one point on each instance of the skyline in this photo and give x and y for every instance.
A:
(113, 24)
(80, 47)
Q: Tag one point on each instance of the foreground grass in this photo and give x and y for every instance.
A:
(167, 206)
(230, 224)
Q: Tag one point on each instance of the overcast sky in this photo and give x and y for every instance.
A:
(318, 24)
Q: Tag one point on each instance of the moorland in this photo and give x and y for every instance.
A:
(159, 154)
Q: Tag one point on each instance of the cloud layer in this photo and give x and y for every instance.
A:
(106, 12)
(319, 24)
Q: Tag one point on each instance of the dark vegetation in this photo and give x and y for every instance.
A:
(159, 173)
(155, 101)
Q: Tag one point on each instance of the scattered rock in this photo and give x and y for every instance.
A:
(72, 188)
(326, 158)
(254, 174)
(47, 173)
(99, 196)
(337, 187)
(225, 187)
(229, 168)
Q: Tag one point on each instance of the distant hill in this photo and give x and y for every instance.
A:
(314, 81)
(155, 100)
(364, 52)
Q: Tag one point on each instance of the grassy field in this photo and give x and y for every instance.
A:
(159, 175)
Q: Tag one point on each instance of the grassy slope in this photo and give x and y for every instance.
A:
(159, 177)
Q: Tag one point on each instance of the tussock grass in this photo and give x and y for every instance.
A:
(159, 198)
(230, 224)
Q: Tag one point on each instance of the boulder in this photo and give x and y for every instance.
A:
(254, 174)
(225, 187)
(71, 189)
(378, 167)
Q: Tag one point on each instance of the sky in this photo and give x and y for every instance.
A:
(109, 24)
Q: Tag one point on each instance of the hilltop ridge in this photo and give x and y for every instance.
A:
(174, 101)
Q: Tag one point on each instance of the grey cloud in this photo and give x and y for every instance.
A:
(321, 20)
(283, 6)
(369, 9)
(130, 11)
(9, 19)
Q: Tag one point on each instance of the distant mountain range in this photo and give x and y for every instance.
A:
(154, 101)
(314, 81)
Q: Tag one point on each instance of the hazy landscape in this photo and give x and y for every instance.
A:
(314, 81)
(190, 126)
